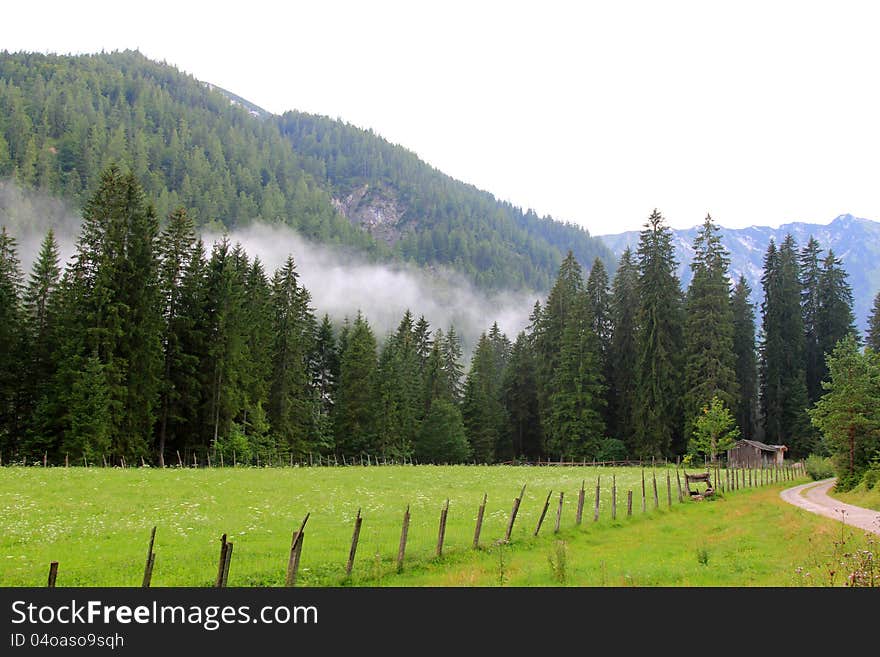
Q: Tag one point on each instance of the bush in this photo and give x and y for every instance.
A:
(819, 467)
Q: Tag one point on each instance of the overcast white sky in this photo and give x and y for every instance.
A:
(756, 112)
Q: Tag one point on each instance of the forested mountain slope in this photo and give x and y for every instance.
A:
(64, 119)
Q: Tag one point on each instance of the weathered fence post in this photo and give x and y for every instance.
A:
(668, 488)
(644, 500)
(295, 551)
(596, 506)
(53, 574)
(222, 561)
(403, 532)
(678, 481)
(354, 544)
(558, 514)
(580, 505)
(479, 526)
(629, 504)
(614, 497)
(179, 460)
(151, 559)
(441, 533)
(656, 495)
(516, 503)
(543, 513)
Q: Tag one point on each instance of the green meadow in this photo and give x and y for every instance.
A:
(96, 523)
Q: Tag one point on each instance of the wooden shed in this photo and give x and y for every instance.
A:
(754, 454)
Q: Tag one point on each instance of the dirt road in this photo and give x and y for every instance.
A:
(814, 497)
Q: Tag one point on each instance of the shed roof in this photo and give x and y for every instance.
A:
(762, 446)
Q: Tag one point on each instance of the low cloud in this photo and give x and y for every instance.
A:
(342, 282)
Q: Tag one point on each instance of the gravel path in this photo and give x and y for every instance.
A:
(814, 497)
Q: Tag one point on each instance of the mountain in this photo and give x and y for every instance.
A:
(64, 119)
(856, 241)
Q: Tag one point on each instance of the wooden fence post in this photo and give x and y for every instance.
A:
(614, 497)
(678, 481)
(222, 561)
(668, 489)
(66, 460)
(402, 547)
(151, 559)
(441, 533)
(543, 513)
(479, 526)
(354, 544)
(580, 504)
(513, 512)
(629, 504)
(644, 500)
(656, 495)
(295, 551)
(53, 574)
(558, 514)
(596, 506)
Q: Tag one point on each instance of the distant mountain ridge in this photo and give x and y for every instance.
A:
(855, 240)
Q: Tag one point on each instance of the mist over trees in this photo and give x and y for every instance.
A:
(149, 343)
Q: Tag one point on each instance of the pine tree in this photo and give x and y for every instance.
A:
(623, 358)
(355, 409)
(441, 437)
(453, 371)
(400, 389)
(40, 309)
(657, 412)
(290, 409)
(519, 390)
(746, 409)
(11, 342)
(810, 273)
(177, 248)
(325, 369)
(710, 367)
(112, 311)
(569, 374)
(873, 338)
(783, 388)
(835, 319)
(482, 409)
(599, 317)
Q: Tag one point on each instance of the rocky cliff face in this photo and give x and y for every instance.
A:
(374, 209)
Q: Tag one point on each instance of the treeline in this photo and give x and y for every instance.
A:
(147, 344)
(64, 120)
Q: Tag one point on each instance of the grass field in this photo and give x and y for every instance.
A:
(96, 523)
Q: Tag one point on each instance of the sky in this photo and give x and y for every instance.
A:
(758, 113)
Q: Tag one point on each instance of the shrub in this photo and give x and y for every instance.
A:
(819, 467)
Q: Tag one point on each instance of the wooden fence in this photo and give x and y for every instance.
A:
(731, 480)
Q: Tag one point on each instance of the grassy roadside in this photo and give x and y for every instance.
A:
(96, 523)
(860, 496)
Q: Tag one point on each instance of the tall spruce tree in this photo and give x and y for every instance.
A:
(355, 410)
(835, 319)
(623, 356)
(325, 373)
(482, 408)
(177, 249)
(710, 367)
(783, 390)
(810, 273)
(745, 357)
(290, 410)
(569, 374)
(658, 422)
(40, 310)
(113, 311)
(873, 337)
(599, 317)
(400, 389)
(11, 342)
(523, 437)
